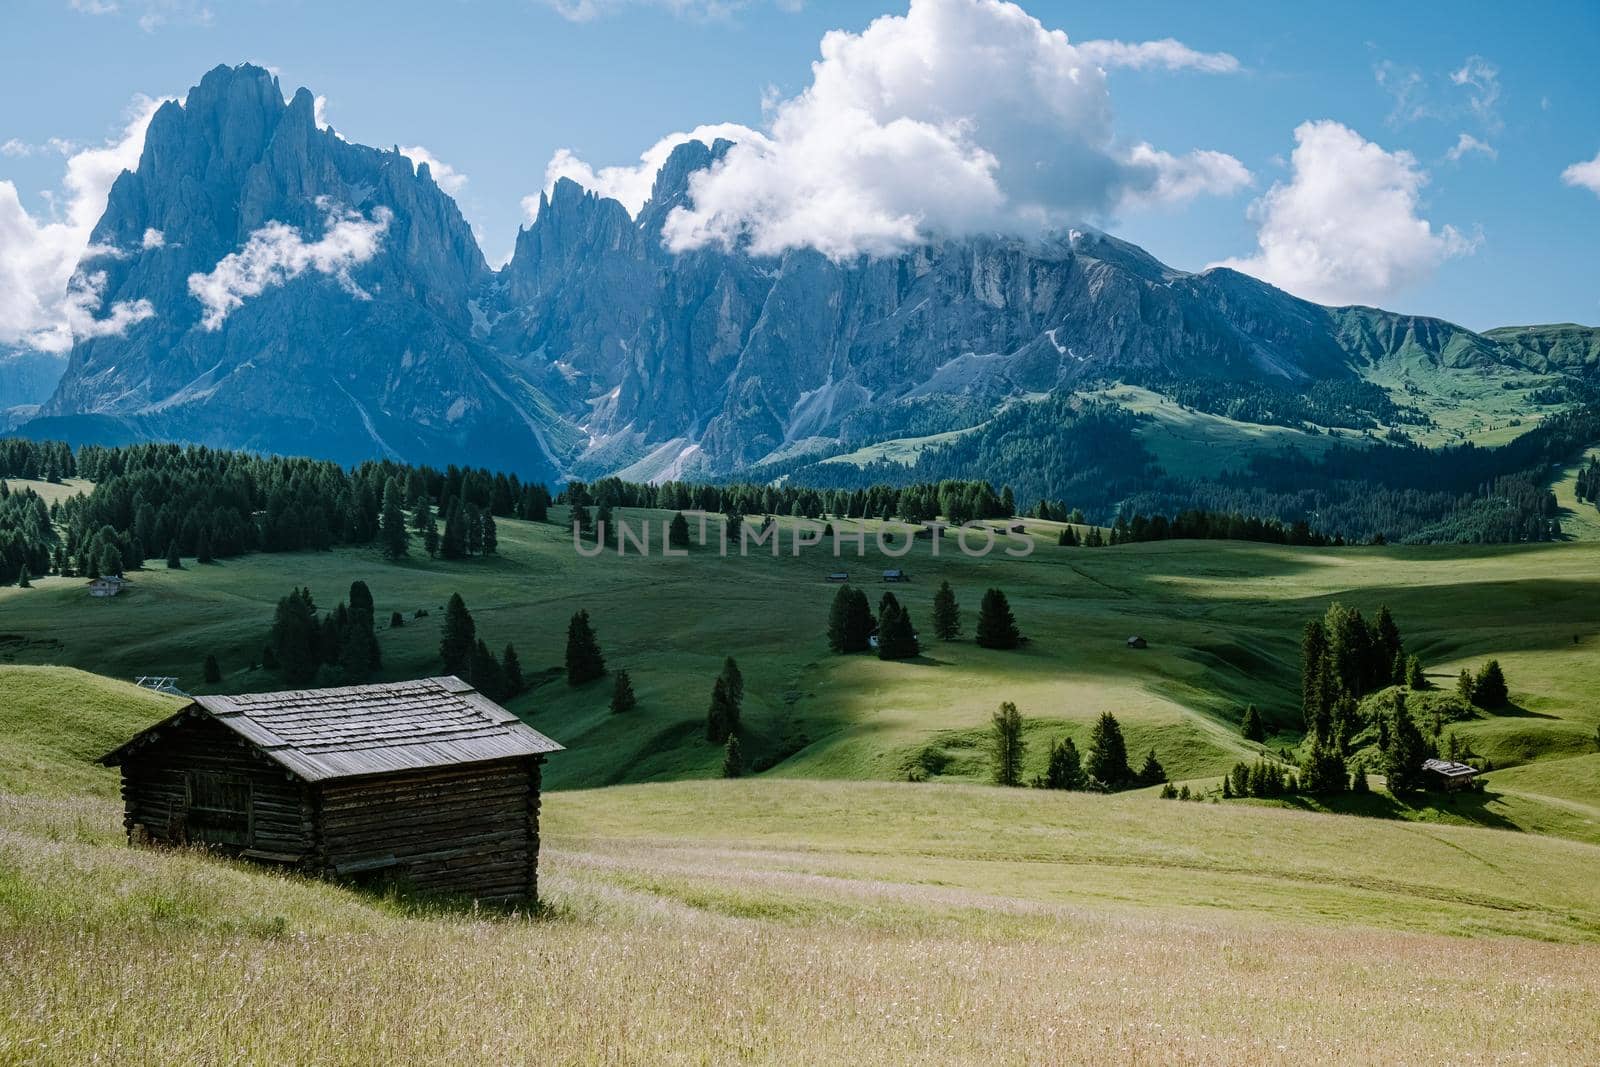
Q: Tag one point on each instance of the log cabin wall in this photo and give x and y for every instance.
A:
(204, 785)
(469, 828)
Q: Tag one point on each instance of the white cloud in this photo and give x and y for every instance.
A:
(276, 254)
(1481, 79)
(84, 297)
(960, 116)
(445, 176)
(1467, 144)
(41, 305)
(631, 185)
(1166, 54)
(153, 238)
(1345, 228)
(94, 7)
(1585, 175)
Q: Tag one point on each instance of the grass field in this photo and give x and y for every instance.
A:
(784, 921)
(1222, 619)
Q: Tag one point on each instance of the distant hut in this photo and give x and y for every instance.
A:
(839, 576)
(428, 782)
(896, 576)
(107, 585)
(1137, 642)
(1448, 774)
(930, 530)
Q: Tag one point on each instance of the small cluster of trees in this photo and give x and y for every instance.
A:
(727, 705)
(340, 647)
(585, 661)
(851, 623)
(1106, 768)
(467, 655)
(1486, 689)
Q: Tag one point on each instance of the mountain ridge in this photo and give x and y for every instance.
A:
(345, 308)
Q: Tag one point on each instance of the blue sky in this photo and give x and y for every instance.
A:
(495, 87)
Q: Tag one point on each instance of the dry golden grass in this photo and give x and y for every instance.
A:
(731, 951)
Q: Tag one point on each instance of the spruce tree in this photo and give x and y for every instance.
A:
(459, 636)
(858, 622)
(1108, 753)
(735, 681)
(484, 671)
(896, 637)
(585, 662)
(722, 717)
(511, 672)
(211, 671)
(392, 529)
(997, 627)
(1065, 768)
(1007, 745)
(1252, 727)
(678, 531)
(838, 619)
(202, 551)
(946, 614)
(1415, 678)
(1402, 761)
(1489, 688)
(1313, 665)
(1152, 773)
(396, 620)
(732, 758)
(23, 578)
(294, 637)
(174, 561)
(1465, 687)
(622, 697)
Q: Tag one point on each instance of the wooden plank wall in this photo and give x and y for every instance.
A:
(153, 793)
(469, 829)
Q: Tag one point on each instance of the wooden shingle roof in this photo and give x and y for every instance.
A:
(321, 734)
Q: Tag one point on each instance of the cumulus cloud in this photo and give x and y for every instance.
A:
(631, 184)
(1584, 175)
(153, 238)
(445, 176)
(1345, 228)
(960, 116)
(1466, 144)
(276, 254)
(41, 304)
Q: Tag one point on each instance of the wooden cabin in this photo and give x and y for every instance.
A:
(1137, 642)
(1448, 774)
(896, 576)
(109, 585)
(427, 783)
(839, 576)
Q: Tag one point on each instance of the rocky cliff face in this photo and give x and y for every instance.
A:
(343, 309)
(353, 275)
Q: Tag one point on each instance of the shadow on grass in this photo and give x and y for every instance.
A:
(1517, 711)
(1469, 807)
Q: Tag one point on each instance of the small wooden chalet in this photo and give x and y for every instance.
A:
(1137, 642)
(1448, 774)
(428, 783)
(108, 585)
(839, 576)
(896, 575)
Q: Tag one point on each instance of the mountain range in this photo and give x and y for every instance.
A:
(300, 293)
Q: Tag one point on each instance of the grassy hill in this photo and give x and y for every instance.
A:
(780, 920)
(1222, 619)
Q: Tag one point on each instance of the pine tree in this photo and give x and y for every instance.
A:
(585, 662)
(23, 578)
(484, 671)
(1465, 688)
(293, 640)
(1324, 771)
(838, 619)
(459, 636)
(1489, 688)
(392, 529)
(946, 614)
(722, 717)
(1007, 745)
(511, 672)
(732, 758)
(211, 672)
(396, 620)
(1313, 670)
(678, 531)
(1065, 768)
(1108, 753)
(735, 681)
(1152, 773)
(1227, 787)
(202, 551)
(1415, 678)
(1252, 727)
(1402, 761)
(622, 698)
(896, 637)
(997, 627)
(174, 561)
(110, 560)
